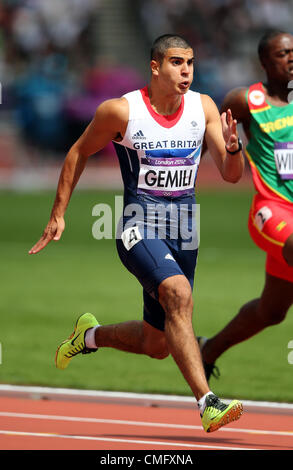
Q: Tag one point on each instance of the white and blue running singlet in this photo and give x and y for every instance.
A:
(159, 158)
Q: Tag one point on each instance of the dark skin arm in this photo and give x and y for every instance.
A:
(236, 101)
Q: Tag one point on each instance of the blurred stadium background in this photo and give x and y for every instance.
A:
(58, 61)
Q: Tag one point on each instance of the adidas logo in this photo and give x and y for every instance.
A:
(168, 256)
(138, 135)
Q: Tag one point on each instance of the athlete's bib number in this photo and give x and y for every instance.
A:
(284, 159)
(167, 177)
(130, 237)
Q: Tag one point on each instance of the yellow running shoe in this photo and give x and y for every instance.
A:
(217, 413)
(75, 344)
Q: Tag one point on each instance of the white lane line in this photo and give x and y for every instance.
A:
(143, 398)
(139, 423)
(127, 441)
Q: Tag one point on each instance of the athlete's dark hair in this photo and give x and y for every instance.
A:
(164, 42)
(263, 44)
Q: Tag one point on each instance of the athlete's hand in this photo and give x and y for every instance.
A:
(229, 128)
(53, 231)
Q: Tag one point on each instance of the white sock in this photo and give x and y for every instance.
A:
(89, 339)
(202, 402)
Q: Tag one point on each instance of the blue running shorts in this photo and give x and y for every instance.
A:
(151, 261)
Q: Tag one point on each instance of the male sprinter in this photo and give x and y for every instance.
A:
(158, 134)
(267, 119)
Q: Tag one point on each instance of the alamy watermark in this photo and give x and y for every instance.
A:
(175, 221)
(290, 355)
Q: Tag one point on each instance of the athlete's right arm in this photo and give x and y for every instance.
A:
(109, 123)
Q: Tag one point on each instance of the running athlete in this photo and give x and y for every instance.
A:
(267, 119)
(158, 133)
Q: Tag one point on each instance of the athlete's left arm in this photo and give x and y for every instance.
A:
(221, 134)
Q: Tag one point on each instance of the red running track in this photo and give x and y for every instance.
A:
(52, 424)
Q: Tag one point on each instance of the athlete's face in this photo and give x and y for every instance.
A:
(175, 73)
(279, 60)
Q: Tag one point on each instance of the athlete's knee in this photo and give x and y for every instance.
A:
(288, 250)
(154, 342)
(175, 295)
(275, 301)
(275, 317)
(158, 353)
(272, 316)
(155, 350)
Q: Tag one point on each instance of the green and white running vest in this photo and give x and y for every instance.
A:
(270, 148)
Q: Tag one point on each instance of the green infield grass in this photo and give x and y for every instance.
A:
(43, 294)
